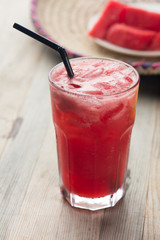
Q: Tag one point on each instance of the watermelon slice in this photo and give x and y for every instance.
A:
(128, 27)
(155, 45)
(142, 19)
(129, 37)
(111, 14)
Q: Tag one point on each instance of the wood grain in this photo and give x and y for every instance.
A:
(126, 220)
(19, 159)
(152, 217)
(19, 59)
(31, 206)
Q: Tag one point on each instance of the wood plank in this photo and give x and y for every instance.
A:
(152, 217)
(44, 213)
(31, 206)
(43, 203)
(21, 153)
(19, 58)
(126, 220)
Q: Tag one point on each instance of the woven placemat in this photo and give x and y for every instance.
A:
(66, 22)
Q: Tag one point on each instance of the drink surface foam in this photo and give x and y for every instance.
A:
(96, 77)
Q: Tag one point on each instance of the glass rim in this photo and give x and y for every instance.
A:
(89, 94)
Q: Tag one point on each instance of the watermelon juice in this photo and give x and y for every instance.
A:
(93, 115)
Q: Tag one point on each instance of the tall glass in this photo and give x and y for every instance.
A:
(93, 133)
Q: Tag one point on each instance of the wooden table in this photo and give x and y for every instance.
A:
(31, 207)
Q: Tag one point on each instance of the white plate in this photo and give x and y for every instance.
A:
(154, 7)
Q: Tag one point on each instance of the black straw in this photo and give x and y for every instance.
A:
(50, 44)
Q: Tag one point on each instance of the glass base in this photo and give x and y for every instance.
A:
(93, 203)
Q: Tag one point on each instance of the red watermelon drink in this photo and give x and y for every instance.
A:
(93, 115)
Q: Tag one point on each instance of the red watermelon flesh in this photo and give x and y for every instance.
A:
(140, 18)
(111, 14)
(155, 45)
(129, 37)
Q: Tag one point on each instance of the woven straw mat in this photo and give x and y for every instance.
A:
(66, 22)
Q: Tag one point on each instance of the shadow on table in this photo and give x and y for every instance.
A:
(102, 224)
(98, 225)
(150, 85)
